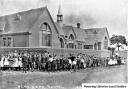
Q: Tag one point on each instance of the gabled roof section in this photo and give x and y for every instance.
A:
(67, 29)
(80, 34)
(21, 21)
(95, 35)
(56, 27)
(60, 30)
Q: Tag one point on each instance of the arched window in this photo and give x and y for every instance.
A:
(71, 41)
(61, 43)
(71, 37)
(105, 43)
(46, 35)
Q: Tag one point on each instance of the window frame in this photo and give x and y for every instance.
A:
(105, 42)
(88, 46)
(8, 42)
(99, 45)
(4, 39)
(47, 33)
(2, 26)
(79, 45)
(61, 43)
(95, 46)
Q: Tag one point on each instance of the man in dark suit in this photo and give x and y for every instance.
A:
(24, 62)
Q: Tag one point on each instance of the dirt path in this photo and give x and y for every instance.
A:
(62, 80)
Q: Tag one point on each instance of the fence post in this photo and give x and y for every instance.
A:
(126, 66)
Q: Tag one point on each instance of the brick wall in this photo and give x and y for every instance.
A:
(20, 41)
(34, 38)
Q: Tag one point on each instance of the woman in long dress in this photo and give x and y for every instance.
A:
(83, 64)
(6, 62)
(74, 64)
(70, 64)
(2, 62)
(16, 63)
(20, 62)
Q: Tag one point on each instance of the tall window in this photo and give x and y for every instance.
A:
(4, 41)
(61, 43)
(7, 42)
(95, 46)
(99, 45)
(105, 43)
(2, 26)
(71, 41)
(46, 35)
(79, 45)
(71, 37)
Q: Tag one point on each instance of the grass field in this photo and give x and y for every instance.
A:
(62, 80)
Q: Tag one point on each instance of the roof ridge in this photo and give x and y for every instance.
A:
(67, 25)
(93, 28)
(24, 11)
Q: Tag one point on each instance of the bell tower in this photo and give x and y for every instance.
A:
(60, 17)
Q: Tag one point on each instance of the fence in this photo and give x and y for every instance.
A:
(59, 51)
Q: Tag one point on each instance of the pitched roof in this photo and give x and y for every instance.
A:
(94, 35)
(80, 34)
(61, 32)
(67, 29)
(21, 21)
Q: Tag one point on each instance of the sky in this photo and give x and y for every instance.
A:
(90, 13)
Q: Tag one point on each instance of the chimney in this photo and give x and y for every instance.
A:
(78, 25)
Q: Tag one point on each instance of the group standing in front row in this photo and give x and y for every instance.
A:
(33, 61)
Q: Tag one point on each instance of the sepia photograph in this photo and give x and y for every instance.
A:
(63, 44)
